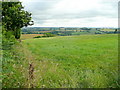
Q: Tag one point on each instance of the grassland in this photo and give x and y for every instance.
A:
(86, 61)
(29, 36)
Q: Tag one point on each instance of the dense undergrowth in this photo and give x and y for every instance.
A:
(15, 65)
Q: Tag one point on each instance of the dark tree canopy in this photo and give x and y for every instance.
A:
(14, 17)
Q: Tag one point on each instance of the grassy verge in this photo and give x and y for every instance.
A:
(15, 67)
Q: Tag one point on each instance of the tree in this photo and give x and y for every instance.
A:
(14, 17)
(115, 31)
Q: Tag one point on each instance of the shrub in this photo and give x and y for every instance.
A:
(49, 35)
(8, 39)
(38, 37)
(46, 35)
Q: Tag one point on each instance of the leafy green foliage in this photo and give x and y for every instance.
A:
(14, 65)
(17, 33)
(8, 39)
(14, 17)
(38, 37)
(46, 35)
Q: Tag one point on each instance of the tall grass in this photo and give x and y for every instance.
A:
(15, 67)
(87, 61)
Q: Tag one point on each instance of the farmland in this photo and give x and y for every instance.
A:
(32, 32)
(59, 44)
(68, 31)
(86, 61)
(28, 36)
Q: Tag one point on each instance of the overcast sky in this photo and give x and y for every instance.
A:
(73, 13)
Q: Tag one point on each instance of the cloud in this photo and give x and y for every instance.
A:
(73, 12)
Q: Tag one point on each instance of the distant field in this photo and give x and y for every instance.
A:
(86, 61)
(43, 31)
(69, 30)
(29, 36)
(107, 30)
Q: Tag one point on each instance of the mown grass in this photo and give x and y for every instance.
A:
(86, 61)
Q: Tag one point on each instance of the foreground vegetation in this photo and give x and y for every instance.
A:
(75, 61)
(14, 62)
(15, 65)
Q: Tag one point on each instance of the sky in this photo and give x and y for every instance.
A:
(73, 13)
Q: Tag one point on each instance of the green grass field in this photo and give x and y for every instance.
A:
(86, 61)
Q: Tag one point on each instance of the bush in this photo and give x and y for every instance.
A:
(48, 35)
(38, 37)
(8, 39)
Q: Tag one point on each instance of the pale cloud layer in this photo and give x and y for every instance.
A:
(73, 13)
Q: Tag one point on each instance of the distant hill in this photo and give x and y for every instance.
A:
(66, 31)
